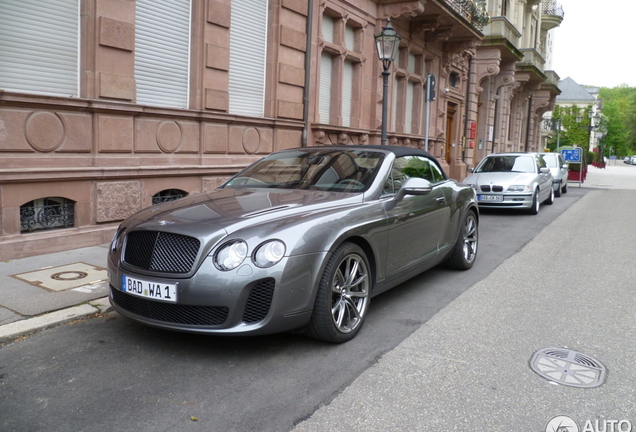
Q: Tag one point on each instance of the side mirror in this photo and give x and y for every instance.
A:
(565, 166)
(544, 170)
(414, 186)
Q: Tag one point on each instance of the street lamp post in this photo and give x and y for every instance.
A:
(554, 124)
(595, 119)
(601, 139)
(387, 43)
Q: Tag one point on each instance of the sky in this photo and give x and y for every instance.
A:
(596, 42)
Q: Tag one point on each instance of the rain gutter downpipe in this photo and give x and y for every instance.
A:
(309, 27)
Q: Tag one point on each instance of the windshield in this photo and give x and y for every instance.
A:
(508, 163)
(336, 170)
(551, 160)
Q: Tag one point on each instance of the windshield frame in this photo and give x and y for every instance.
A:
(328, 169)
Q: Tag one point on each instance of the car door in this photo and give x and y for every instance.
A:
(545, 178)
(417, 223)
(563, 170)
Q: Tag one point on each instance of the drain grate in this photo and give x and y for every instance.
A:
(568, 367)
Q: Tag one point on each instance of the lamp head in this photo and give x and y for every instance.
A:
(387, 43)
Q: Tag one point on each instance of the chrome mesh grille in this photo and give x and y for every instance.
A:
(258, 302)
(160, 251)
(170, 312)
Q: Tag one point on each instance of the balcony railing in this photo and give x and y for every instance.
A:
(473, 11)
(551, 15)
(552, 8)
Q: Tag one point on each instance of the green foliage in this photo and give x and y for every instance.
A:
(619, 117)
(618, 120)
(417, 168)
(575, 127)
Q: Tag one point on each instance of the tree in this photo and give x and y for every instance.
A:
(619, 115)
(575, 127)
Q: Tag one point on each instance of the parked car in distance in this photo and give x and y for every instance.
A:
(559, 171)
(627, 159)
(300, 240)
(512, 180)
(633, 160)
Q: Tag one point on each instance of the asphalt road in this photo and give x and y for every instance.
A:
(109, 374)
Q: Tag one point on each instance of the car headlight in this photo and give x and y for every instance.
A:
(269, 253)
(231, 255)
(520, 188)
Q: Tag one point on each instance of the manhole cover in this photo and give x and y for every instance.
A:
(567, 367)
(69, 275)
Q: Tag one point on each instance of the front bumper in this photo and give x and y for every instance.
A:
(247, 300)
(505, 200)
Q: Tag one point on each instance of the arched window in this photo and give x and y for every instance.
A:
(47, 214)
(168, 195)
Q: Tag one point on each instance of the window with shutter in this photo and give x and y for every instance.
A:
(39, 47)
(408, 111)
(248, 48)
(324, 108)
(162, 52)
(347, 92)
(327, 28)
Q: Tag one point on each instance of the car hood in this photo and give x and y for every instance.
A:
(228, 210)
(500, 178)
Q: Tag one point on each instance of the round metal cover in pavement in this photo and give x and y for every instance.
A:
(567, 367)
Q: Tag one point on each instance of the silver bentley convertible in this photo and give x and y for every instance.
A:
(300, 240)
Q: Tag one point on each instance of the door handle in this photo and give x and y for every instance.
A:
(440, 200)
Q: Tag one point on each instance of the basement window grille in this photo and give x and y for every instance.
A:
(46, 214)
(168, 195)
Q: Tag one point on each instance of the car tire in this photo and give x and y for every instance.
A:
(535, 203)
(565, 189)
(343, 296)
(557, 192)
(550, 199)
(465, 249)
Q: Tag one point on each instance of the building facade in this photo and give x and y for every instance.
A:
(109, 106)
(514, 87)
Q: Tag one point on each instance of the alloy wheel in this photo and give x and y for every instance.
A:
(470, 238)
(349, 293)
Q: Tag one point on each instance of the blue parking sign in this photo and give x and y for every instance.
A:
(571, 155)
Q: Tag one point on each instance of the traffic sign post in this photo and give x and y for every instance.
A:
(574, 156)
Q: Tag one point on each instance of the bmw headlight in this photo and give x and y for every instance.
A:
(269, 253)
(231, 255)
(520, 188)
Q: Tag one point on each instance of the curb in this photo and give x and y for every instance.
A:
(29, 326)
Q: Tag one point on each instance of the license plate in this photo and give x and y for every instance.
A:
(152, 290)
(491, 198)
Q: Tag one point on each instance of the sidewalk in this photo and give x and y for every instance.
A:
(47, 290)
